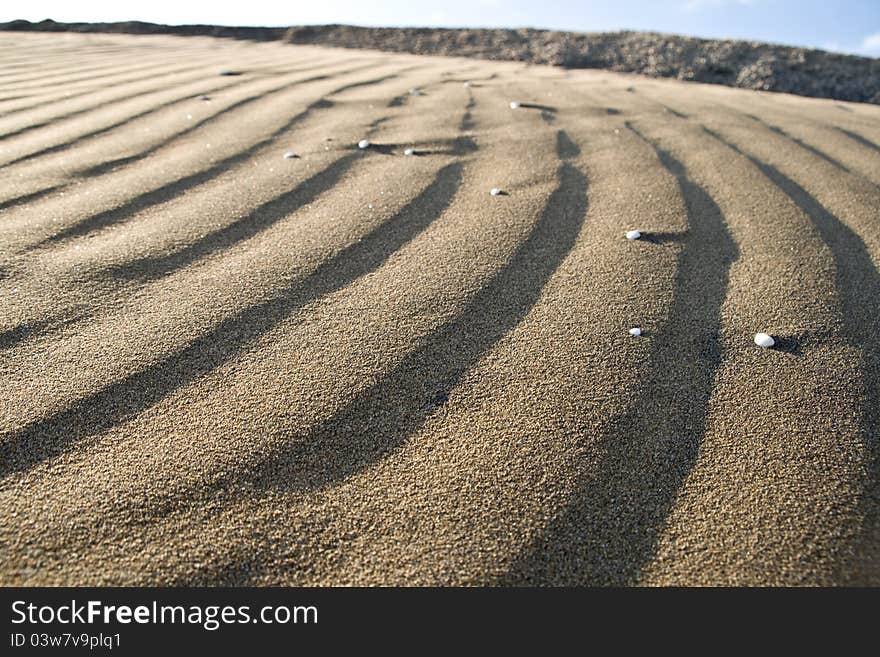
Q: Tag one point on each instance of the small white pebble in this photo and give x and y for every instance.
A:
(415, 91)
(633, 234)
(635, 331)
(495, 191)
(514, 105)
(189, 117)
(764, 340)
(364, 143)
(409, 151)
(289, 155)
(468, 83)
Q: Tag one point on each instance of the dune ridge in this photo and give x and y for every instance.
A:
(737, 63)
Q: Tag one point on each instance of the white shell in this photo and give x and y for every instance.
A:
(495, 191)
(409, 151)
(514, 105)
(764, 340)
(289, 155)
(633, 234)
(364, 143)
(635, 331)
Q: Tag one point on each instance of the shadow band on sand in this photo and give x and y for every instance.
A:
(800, 142)
(27, 198)
(174, 188)
(380, 419)
(240, 230)
(69, 115)
(858, 283)
(610, 528)
(22, 449)
(11, 337)
(104, 167)
(112, 164)
(864, 141)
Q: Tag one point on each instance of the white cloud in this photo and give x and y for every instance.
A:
(697, 5)
(871, 44)
(437, 18)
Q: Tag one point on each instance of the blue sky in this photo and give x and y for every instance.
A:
(846, 25)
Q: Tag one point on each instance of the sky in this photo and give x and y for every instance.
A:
(851, 26)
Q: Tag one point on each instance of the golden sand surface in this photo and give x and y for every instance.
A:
(219, 365)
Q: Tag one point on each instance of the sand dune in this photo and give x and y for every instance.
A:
(223, 366)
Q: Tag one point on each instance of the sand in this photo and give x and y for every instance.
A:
(221, 366)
